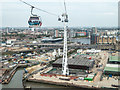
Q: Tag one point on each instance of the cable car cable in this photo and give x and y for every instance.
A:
(65, 7)
(39, 8)
(65, 14)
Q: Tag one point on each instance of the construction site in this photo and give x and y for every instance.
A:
(87, 74)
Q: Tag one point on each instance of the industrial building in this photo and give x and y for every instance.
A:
(113, 66)
(76, 64)
(114, 60)
(112, 69)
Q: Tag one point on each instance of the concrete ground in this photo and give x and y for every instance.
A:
(96, 83)
(104, 83)
(99, 70)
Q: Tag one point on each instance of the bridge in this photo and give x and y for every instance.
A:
(85, 46)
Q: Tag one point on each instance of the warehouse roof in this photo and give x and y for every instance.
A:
(114, 58)
(112, 67)
(77, 61)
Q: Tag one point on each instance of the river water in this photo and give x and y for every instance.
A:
(16, 82)
(78, 40)
(0, 86)
(81, 40)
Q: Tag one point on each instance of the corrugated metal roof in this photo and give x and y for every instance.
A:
(77, 61)
(114, 69)
(114, 58)
(113, 65)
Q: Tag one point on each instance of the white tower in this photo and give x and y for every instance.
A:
(65, 70)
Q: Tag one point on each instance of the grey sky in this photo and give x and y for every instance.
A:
(81, 13)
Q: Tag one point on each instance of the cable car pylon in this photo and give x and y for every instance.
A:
(65, 70)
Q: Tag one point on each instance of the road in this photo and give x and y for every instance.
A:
(100, 70)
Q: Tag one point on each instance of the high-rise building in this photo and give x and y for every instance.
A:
(94, 30)
(93, 35)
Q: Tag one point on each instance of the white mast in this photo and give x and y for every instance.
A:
(65, 70)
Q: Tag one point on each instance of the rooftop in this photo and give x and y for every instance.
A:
(114, 58)
(112, 67)
(77, 61)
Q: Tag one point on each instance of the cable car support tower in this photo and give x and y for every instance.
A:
(65, 70)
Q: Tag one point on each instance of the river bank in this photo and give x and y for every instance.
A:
(8, 76)
(16, 81)
(65, 84)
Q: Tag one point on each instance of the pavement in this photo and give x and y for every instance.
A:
(53, 79)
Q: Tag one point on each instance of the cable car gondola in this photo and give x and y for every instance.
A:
(34, 20)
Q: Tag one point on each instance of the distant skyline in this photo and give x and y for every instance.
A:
(82, 13)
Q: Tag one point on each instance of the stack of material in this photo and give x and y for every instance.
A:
(90, 77)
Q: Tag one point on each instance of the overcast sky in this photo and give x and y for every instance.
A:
(82, 13)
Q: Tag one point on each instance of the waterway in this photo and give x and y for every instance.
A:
(0, 86)
(16, 82)
(78, 40)
(81, 40)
